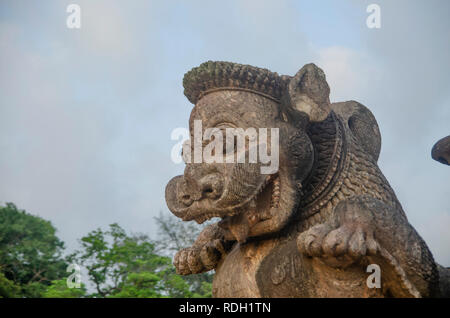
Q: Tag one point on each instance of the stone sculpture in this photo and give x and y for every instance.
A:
(441, 151)
(312, 228)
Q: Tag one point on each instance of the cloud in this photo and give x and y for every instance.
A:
(86, 115)
(105, 29)
(350, 73)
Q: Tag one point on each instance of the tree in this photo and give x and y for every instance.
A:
(120, 265)
(30, 253)
(59, 289)
(174, 235)
(7, 288)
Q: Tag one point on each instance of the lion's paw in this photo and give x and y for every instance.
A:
(195, 259)
(338, 247)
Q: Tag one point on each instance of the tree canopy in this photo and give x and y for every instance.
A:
(30, 253)
(114, 263)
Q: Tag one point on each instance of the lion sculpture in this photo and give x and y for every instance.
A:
(318, 226)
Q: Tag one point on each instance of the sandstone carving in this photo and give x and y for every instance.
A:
(312, 228)
(441, 151)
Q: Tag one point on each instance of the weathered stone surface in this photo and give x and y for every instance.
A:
(441, 151)
(312, 228)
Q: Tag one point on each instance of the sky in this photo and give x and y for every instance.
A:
(86, 114)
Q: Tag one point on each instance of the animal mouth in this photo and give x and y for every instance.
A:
(256, 207)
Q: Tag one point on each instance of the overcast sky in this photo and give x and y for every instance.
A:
(86, 115)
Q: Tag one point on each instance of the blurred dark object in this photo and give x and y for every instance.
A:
(441, 151)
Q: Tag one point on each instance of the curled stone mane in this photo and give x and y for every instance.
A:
(211, 76)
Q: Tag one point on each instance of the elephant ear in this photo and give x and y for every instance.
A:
(308, 92)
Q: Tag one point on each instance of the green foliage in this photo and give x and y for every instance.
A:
(30, 252)
(174, 235)
(139, 285)
(119, 265)
(59, 289)
(7, 288)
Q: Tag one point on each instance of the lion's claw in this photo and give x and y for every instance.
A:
(338, 247)
(198, 259)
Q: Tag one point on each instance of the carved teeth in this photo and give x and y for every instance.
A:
(275, 200)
